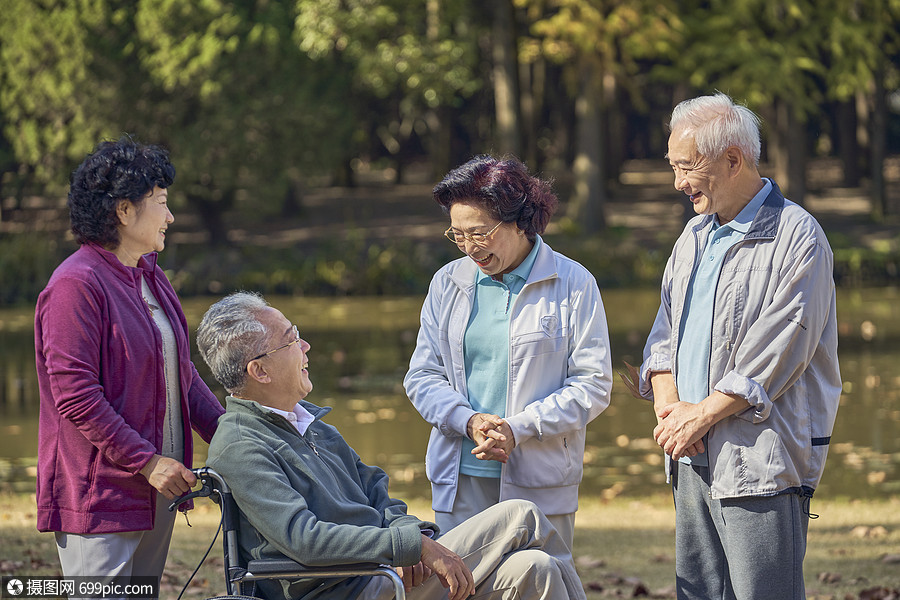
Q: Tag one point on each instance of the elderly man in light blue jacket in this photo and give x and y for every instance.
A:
(741, 363)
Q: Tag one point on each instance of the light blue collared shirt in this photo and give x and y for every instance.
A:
(486, 352)
(694, 343)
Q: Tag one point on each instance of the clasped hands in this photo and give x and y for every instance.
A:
(681, 425)
(679, 430)
(493, 437)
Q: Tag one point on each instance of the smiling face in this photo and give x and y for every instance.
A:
(500, 253)
(142, 226)
(707, 182)
(287, 364)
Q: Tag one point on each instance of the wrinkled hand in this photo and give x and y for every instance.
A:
(413, 576)
(168, 476)
(681, 428)
(665, 393)
(450, 569)
(493, 437)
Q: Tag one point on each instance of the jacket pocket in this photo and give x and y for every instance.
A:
(553, 462)
(442, 458)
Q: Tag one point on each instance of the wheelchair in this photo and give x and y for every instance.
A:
(240, 577)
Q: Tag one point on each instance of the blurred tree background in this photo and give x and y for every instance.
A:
(262, 102)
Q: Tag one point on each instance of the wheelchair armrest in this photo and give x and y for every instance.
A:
(267, 566)
(284, 568)
(272, 565)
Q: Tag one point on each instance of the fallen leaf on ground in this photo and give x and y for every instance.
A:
(829, 577)
(879, 593)
(10, 566)
(863, 531)
(589, 562)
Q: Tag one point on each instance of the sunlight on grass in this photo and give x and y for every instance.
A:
(623, 547)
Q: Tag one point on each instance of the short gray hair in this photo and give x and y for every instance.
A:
(716, 123)
(230, 334)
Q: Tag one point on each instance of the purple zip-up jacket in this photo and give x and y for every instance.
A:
(103, 393)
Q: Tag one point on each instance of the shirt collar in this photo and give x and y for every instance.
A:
(745, 218)
(524, 268)
(299, 417)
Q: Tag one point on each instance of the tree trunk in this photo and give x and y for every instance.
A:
(848, 144)
(787, 150)
(531, 88)
(291, 205)
(212, 214)
(797, 158)
(440, 123)
(614, 120)
(506, 80)
(589, 196)
(878, 145)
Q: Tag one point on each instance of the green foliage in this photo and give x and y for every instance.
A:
(220, 83)
(26, 263)
(240, 107)
(354, 265)
(47, 97)
(616, 34)
(800, 51)
(856, 39)
(425, 51)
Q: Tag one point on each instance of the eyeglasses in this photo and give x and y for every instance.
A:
(459, 237)
(296, 333)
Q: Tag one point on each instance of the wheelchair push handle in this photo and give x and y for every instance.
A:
(204, 491)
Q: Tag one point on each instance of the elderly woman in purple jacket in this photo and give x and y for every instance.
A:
(118, 391)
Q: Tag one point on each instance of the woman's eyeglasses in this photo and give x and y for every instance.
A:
(459, 237)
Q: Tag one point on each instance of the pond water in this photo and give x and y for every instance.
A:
(361, 347)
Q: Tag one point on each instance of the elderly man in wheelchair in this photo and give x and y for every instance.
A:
(304, 494)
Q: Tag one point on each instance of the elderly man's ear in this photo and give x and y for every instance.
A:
(735, 158)
(257, 371)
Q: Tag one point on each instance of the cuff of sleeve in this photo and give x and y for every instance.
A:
(141, 461)
(656, 362)
(407, 542)
(755, 394)
(457, 421)
(522, 428)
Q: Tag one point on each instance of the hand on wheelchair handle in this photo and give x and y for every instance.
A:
(204, 491)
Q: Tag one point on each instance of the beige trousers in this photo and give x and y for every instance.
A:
(474, 494)
(514, 553)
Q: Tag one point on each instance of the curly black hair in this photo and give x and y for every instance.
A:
(502, 187)
(114, 171)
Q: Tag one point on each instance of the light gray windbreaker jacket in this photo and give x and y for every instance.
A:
(559, 379)
(774, 342)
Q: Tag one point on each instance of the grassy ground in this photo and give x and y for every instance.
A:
(623, 548)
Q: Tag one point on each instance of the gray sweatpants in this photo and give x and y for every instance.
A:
(514, 553)
(748, 548)
(128, 554)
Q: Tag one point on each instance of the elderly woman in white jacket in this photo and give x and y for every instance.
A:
(512, 359)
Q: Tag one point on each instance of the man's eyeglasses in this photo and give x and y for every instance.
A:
(296, 333)
(459, 237)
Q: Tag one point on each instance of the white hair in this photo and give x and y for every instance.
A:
(230, 334)
(717, 123)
